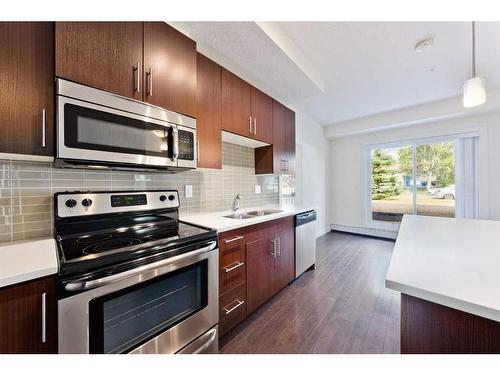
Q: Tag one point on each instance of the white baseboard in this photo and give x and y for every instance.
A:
(366, 231)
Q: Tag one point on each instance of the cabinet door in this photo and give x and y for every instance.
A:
(169, 68)
(290, 141)
(279, 155)
(27, 88)
(28, 317)
(285, 261)
(260, 272)
(235, 104)
(262, 114)
(209, 113)
(105, 55)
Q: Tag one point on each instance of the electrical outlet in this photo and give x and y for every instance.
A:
(189, 191)
(257, 189)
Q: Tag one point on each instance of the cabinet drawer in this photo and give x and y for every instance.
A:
(231, 276)
(231, 262)
(232, 308)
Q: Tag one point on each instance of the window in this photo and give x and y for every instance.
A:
(421, 178)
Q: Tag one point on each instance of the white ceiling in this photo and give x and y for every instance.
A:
(366, 67)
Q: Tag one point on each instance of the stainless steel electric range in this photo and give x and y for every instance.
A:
(132, 277)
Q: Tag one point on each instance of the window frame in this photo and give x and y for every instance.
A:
(414, 143)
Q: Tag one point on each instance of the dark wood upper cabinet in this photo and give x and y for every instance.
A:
(105, 55)
(27, 88)
(262, 116)
(290, 141)
(169, 68)
(280, 157)
(209, 112)
(236, 104)
(28, 317)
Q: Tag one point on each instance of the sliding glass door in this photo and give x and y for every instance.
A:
(418, 178)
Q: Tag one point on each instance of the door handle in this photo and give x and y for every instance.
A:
(273, 253)
(232, 268)
(44, 317)
(233, 239)
(255, 125)
(150, 82)
(238, 304)
(137, 78)
(250, 125)
(44, 128)
(278, 241)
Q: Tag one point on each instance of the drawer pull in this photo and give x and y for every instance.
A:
(238, 304)
(233, 239)
(232, 268)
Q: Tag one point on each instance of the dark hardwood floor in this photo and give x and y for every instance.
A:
(341, 307)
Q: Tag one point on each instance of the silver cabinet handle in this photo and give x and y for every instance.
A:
(250, 125)
(255, 125)
(238, 304)
(44, 128)
(234, 239)
(278, 240)
(150, 82)
(137, 77)
(274, 253)
(232, 268)
(44, 317)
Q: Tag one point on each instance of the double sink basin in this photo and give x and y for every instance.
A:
(252, 214)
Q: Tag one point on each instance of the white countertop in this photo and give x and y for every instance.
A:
(27, 260)
(216, 220)
(452, 262)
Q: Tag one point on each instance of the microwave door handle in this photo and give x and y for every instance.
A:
(175, 133)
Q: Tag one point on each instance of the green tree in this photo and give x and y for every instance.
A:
(384, 181)
(435, 162)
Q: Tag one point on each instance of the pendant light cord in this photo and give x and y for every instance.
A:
(473, 49)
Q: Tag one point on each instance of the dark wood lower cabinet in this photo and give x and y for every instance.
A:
(266, 252)
(430, 328)
(28, 317)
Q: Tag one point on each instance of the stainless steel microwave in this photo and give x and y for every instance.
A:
(98, 129)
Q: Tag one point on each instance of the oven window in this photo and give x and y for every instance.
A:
(90, 129)
(121, 321)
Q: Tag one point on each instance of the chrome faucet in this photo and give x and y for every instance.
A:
(236, 202)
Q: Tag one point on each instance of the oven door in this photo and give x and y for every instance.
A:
(93, 133)
(186, 147)
(161, 307)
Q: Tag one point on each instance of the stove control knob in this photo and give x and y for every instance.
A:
(70, 203)
(87, 202)
(163, 198)
(171, 197)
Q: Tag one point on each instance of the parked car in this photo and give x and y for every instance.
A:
(447, 192)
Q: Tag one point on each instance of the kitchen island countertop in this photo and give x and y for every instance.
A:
(451, 262)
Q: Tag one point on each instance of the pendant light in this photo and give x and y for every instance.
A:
(474, 89)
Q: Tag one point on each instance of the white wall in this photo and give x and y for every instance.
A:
(348, 166)
(312, 179)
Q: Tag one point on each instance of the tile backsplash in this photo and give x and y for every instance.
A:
(27, 188)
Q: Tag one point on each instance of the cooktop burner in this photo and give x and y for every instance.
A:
(124, 229)
(109, 245)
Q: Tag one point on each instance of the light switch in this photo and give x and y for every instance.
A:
(189, 191)
(257, 189)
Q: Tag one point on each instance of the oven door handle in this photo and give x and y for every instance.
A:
(81, 285)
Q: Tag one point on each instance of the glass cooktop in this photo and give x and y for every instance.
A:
(94, 243)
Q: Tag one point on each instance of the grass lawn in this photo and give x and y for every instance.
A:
(426, 205)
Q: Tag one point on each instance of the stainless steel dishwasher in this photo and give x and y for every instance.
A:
(305, 242)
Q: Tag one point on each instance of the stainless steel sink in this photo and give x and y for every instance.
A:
(263, 212)
(240, 216)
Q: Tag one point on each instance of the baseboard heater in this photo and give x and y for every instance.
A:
(365, 231)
